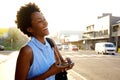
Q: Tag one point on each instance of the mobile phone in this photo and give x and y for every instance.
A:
(67, 64)
(64, 64)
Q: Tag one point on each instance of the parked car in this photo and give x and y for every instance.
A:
(65, 47)
(59, 45)
(105, 48)
(73, 48)
(1, 48)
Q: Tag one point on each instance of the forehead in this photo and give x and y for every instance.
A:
(37, 15)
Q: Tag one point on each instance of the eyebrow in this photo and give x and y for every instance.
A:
(42, 18)
(39, 18)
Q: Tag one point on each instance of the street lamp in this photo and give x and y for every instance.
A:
(116, 38)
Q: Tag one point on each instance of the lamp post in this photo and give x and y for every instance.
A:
(116, 39)
(84, 42)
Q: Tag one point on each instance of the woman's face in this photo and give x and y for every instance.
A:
(39, 25)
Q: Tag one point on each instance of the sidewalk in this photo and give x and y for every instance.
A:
(3, 58)
(4, 55)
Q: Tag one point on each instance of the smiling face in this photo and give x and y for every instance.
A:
(39, 25)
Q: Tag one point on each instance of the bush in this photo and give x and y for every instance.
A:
(14, 40)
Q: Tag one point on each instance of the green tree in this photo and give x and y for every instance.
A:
(15, 38)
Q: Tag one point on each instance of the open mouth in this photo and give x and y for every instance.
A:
(45, 29)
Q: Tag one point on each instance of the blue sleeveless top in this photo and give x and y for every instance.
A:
(43, 58)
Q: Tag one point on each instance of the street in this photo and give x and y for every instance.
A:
(91, 66)
(88, 66)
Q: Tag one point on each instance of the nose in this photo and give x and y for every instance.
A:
(45, 23)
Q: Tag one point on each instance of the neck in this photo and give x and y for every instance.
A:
(41, 39)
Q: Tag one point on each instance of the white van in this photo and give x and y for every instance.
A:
(105, 48)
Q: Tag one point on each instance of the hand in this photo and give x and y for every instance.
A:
(70, 63)
(56, 68)
(67, 63)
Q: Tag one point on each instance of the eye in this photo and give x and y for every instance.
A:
(44, 19)
(39, 21)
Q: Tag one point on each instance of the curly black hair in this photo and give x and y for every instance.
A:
(23, 17)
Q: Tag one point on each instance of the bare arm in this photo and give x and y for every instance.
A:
(24, 61)
(61, 60)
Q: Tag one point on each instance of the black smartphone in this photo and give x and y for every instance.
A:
(66, 63)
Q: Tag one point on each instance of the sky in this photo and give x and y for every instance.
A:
(61, 14)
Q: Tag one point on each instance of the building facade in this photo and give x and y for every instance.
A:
(116, 33)
(101, 31)
(69, 37)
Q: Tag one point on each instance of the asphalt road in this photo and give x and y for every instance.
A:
(92, 66)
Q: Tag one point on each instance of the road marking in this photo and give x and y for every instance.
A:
(92, 55)
(71, 52)
(78, 75)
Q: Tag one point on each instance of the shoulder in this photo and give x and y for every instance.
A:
(26, 50)
(25, 54)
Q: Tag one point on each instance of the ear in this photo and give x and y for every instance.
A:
(29, 29)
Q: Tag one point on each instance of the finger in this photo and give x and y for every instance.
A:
(68, 60)
(62, 66)
(72, 64)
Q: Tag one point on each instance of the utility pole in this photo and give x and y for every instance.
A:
(116, 39)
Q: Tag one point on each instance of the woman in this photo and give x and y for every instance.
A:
(36, 60)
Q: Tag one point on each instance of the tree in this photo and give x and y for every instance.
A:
(15, 38)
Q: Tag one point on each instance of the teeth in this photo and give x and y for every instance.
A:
(45, 28)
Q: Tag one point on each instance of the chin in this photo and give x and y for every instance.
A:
(47, 33)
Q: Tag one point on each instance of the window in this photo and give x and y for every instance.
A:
(106, 32)
(115, 28)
